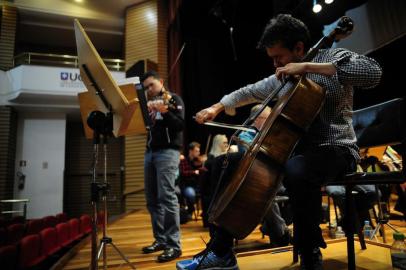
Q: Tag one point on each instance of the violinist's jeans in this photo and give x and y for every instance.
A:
(160, 169)
(305, 174)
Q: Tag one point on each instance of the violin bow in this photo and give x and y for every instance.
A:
(174, 63)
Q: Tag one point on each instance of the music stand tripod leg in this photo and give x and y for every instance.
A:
(122, 255)
(381, 220)
(101, 248)
(108, 240)
(103, 126)
(378, 226)
(94, 190)
(391, 226)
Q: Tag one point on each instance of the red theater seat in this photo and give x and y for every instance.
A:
(63, 233)
(85, 224)
(30, 252)
(34, 226)
(61, 217)
(74, 229)
(49, 242)
(49, 221)
(15, 233)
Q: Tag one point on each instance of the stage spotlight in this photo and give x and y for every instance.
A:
(328, 1)
(316, 7)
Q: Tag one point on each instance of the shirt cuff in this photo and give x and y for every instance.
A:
(228, 108)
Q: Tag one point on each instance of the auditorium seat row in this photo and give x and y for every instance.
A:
(48, 221)
(40, 250)
(16, 231)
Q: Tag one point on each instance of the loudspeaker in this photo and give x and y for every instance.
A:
(140, 68)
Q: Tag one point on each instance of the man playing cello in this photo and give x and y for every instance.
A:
(326, 151)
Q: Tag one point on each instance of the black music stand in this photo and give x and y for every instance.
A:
(110, 114)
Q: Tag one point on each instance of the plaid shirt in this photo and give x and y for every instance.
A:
(187, 173)
(333, 125)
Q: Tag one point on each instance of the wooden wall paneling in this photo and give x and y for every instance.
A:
(7, 36)
(78, 172)
(163, 38)
(134, 172)
(8, 136)
(141, 33)
(145, 38)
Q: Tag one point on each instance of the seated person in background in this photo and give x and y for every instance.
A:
(393, 161)
(401, 201)
(365, 195)
(275, 225)
(365, 199)
(189, 176)
(218, 147)
(245, 137)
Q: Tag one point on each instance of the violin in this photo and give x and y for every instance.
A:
(168, 99)
(164, 99)
(199, 161)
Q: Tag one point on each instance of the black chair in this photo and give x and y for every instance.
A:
(378, 125)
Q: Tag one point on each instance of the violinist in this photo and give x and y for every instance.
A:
(161, 166)
(190, 170)
(327, 150)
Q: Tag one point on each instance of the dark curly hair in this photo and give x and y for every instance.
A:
(287, 30)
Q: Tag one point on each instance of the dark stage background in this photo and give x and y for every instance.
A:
(220, 54)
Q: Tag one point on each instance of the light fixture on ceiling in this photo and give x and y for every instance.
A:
(316, 7)
(78, 1)
(328, 1)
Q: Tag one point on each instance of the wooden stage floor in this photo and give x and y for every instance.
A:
(131, 232)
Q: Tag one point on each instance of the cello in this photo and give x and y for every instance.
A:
(241, 205)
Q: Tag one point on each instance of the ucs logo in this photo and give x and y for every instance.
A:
(70, 76)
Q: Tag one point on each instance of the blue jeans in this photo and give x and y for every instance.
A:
(275, 223)
(364, 199)
(160, 169)
(189, 193)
